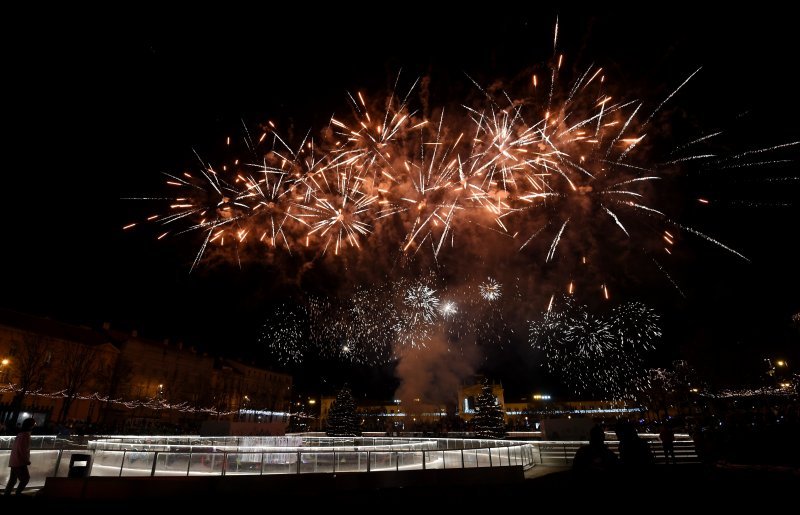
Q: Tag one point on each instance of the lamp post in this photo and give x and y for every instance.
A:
(312, 412)
(4, 370)
(243, 407)
(160, 399)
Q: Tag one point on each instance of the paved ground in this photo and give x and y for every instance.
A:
(665, 488)
(669, 487)
(537, 472)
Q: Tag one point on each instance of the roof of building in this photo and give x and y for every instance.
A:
(51, 328)
(107, 335)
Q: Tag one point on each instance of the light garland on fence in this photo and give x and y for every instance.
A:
(153, 404)
(787, 389)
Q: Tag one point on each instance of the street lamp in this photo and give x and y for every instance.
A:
(4, 370)
(245, 403)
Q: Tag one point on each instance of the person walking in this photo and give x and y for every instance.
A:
(667, 436)
(20, 458)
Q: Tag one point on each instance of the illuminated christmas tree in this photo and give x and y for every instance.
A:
(488, 418)
(342, 417)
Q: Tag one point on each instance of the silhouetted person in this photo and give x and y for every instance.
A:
(700, 443)
(667, 436)
(595, 457)
(20, 458)
(634, 453)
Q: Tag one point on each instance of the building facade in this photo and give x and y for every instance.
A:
(521, 414)
(64, 374)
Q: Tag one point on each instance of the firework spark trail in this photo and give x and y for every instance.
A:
(643, 208)
(630, 147)
(616, 219)
(690, 158)
(756, 164)
(622, 131)
(637, 179)
(759, 151)
(666, 274)
(200, 252)
(708, 238)
(610, 110)
(535, 234)
(553, 246)
(555, 36)
(657, 109)
(628, 165)
(695, 141)
(687, 228)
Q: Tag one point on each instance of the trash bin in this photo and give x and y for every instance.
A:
(79, 465)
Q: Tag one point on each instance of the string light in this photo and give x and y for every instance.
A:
(153, 404)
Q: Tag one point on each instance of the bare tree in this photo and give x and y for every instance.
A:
(228, 388)
(176, 385)
(31, 359)
(276, 399)
(78, 361)
(668, 388)
(655, 391)
(116, 379)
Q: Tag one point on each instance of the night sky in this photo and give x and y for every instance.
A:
(98, 111)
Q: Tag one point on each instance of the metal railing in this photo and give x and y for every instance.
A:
(264, 443)
(167, 463)
(131, 463)
(322, 455)
(44, 442)
(561, 453)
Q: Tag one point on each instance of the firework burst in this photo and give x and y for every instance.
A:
(551, 173)
(557, 176)
(491, 290)
(596, 354)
